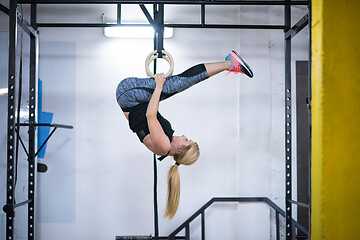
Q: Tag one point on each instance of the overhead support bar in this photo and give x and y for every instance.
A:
(225, 26)
(89, 25)
(214, 26)
(178, 2)
(303, 22)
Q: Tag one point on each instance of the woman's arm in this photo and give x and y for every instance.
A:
(156, 141)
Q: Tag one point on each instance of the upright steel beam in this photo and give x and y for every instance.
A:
(159, 18)
(32, 122)
(202, 15)
(309, 119)
(10, 196)
(156, 39)
(118, 14)
(288, 182)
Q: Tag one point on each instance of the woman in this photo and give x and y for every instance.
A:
(139, 100)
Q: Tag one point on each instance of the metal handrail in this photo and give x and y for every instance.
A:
(201, 211)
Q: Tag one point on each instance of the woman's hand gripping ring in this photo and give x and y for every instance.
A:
(152, 56)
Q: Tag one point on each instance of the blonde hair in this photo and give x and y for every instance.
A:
(187, 157)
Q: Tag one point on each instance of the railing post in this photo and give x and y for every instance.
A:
(277, 226)
(187, 232)
(202, 15)
(156, 218)
(203, 225)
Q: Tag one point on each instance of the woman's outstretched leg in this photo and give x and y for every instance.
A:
(192, 76)
(134, 91)
(217, 67)
(233, 63)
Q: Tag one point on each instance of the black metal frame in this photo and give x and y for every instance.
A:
(31, 30)
(16, 19)
(291, 32)
(288, 136)
(9, 208)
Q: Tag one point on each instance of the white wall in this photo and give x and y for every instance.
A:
(238, 123)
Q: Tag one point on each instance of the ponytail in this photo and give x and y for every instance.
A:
(173, 195)
(187, 157)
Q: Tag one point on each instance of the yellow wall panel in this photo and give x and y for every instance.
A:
(335, 119)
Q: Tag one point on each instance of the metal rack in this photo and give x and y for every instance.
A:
(31, 29)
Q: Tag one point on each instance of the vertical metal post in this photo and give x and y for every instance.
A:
(187, 232)
(155, 36)
(288, 182)
(202, 14)
(156, 217)
(32, 121)
(303, 142)
(203, 225)
(118, 19)
(11, 120)
(309, 120)
(277, 226)
(159, 19)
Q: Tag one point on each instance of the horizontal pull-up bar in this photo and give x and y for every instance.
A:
(185, 2)
(213, 26)
(226, 26)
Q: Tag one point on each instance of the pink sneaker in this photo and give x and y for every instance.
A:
(238, 65)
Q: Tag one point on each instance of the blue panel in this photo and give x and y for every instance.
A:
(43, 132)
(43, 117)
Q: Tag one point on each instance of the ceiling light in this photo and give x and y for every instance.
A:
(135, 32)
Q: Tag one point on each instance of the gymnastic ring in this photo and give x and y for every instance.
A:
(152, 56)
